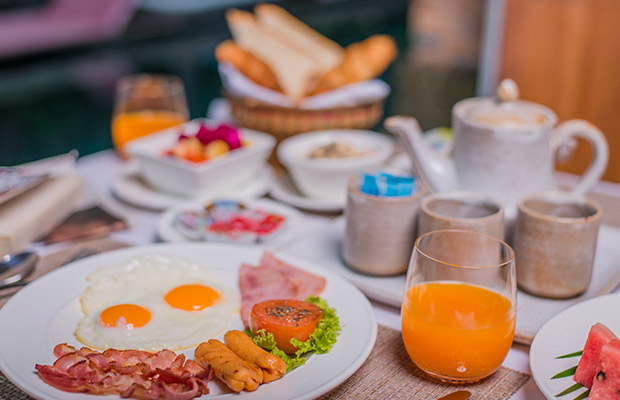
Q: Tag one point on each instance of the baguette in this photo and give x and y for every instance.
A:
(362, 61)
(248, 64)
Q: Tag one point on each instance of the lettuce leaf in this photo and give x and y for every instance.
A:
(320, 341)
(267, 341)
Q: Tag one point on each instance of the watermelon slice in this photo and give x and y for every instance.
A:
(586, 370)
(606, 385)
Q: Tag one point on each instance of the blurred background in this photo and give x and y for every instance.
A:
(60, 60)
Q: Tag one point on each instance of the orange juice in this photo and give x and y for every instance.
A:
(132, 125)
(457, 331)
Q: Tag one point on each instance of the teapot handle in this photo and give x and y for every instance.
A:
(600, 150)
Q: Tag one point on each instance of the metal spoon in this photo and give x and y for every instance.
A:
(16, 267)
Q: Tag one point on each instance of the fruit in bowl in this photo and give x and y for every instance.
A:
(207, 143)
(228, 159)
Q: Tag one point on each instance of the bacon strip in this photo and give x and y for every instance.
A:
(128, 373)
(274, 279)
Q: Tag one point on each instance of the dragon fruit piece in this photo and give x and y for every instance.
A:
(230, 135)
(205, 135)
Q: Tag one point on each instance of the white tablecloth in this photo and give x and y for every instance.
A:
(99, 171)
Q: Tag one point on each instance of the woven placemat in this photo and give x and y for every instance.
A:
(8, 391)
(388, 373)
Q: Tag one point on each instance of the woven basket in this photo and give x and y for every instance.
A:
(283, 122)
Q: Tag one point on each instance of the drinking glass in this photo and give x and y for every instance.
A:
(145, 104)
(459, 306)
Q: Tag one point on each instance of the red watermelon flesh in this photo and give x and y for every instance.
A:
(599, 335)
(606, 385)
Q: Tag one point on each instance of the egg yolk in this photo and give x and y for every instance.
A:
(192, 297)
(129, 316)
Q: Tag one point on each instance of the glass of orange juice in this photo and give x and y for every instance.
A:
(146, 103)
(459, 306)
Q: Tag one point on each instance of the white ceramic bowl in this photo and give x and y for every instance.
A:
(179, 176)
(326, 178)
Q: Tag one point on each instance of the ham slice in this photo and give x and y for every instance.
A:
(275, 279)
(128, 373)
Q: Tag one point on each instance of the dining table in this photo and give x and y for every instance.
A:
(100, 170)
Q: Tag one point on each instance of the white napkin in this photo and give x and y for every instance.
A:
(238, 85)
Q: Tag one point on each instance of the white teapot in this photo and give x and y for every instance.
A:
(505, 149)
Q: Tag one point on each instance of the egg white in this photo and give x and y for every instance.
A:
(144, 280)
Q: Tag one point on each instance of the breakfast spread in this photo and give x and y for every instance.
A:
(153, 302)
(128, 373)
(230, 221)
(207, 143)
(279, 52)
(159, 326)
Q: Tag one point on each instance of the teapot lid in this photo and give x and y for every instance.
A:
(505, 110)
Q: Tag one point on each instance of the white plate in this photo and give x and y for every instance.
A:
(47, 311)
(285, 191)
(324, 248)
(293, 225)
(566, 333)
(132, 189)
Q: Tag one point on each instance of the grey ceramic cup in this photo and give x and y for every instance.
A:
(380, 231)
(470, 211)
(555, 243)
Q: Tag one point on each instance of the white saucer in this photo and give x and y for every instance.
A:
(284, 190)
(293, 225)
(132, 189)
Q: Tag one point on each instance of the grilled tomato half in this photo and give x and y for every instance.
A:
(285, 319)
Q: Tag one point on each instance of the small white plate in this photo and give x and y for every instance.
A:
(132, 189)
(284, 190)
(292, 227)
(47, 311)
(566, 333)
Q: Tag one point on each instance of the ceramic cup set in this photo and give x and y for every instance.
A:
(381, 231)
(499, 182)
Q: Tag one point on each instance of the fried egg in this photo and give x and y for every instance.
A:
(153, 302)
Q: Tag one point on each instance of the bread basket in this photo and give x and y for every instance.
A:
(283, 122)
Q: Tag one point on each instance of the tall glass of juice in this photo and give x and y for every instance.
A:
(144, 104)
(459, 306)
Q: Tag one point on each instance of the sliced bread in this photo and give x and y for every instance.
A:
(295, 70)
(327, 53)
